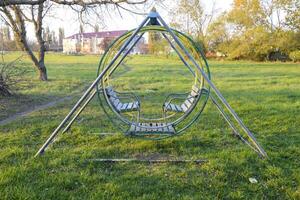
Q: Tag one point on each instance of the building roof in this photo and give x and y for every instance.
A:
(101, 34)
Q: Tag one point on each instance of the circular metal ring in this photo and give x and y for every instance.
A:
(117, 44)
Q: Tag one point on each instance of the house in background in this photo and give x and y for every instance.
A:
(96, 42)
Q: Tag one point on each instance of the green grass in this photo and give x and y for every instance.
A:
(265, 95)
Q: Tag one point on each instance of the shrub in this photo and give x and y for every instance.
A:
(10, 77)
(295, 56)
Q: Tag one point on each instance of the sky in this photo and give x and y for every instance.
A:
(68, 19)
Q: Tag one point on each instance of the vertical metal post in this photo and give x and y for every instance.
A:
(218, 93)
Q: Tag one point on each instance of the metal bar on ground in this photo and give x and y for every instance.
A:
(116, 160)
(218, 93)
(56, 131)
(104, 134)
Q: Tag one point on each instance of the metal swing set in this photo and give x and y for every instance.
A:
(179, 111)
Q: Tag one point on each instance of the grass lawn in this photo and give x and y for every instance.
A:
(265, 95)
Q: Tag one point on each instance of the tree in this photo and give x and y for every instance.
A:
(106, 42)
(16, 17)
(246, 14)
(81, 29)
(5, 33)
(61, 36)
(292, 17)
(190, 16)
(6, 41)
(259, 30)
(96, 28)
(18, 13)
(11, 77)
(53, 38)
(249, 37)
(154, 42)
(218, 34)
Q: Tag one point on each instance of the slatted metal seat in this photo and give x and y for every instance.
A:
(147, 128)
(173, 107)
(115, 99)
(189, 101)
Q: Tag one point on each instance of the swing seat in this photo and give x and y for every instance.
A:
(121, 107)
(151, 128)
(190, 99)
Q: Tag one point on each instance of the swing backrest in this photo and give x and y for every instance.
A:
(190, 100)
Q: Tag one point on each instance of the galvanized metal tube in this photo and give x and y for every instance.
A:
(218, 93)
(232, 126)
(80, 110)
(126, 53)
(53, 135)
(223, 114)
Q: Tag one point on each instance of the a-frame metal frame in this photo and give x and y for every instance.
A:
(153, 18)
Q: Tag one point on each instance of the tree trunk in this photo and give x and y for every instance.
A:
(42, 71)
(18, 26)
(38, 24)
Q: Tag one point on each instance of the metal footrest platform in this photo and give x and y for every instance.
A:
(151, 128)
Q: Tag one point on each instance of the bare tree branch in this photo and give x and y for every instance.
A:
(20, 2)
(96, 2)
(19, 12)
(70, 2)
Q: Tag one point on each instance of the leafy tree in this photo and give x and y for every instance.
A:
(218, 34)
(293, 14)
(153, 43)
(190, 16)
(295, 56)
(246, 14)
(258, 30)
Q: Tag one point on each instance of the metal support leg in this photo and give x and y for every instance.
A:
(227, 119)
(79, 111)
(124, 56)
(88, 91)
(230, 123)
(218, 93)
